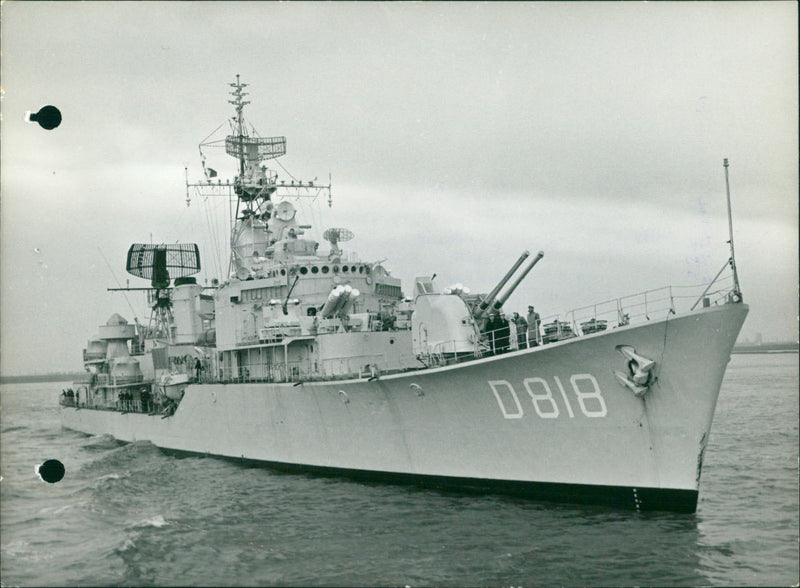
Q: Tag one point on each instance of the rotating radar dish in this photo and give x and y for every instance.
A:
(338, 235)
(255, 149)
(335, 236)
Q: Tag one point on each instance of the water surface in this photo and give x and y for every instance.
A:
(128, 514)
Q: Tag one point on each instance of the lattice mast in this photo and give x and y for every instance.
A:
(255, 188)
(254, 185)
(239, 103)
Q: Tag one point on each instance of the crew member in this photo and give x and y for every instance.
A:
(491, 331)
(522, 330)
(533, 327)
(503, 333)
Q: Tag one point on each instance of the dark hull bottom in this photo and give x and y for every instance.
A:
(640, 499)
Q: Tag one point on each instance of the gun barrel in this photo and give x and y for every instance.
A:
(491, 296)
(503, 297)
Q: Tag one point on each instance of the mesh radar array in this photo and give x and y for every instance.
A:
(255, 149)
(160, 264)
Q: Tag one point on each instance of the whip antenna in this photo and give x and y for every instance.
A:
(118, 284)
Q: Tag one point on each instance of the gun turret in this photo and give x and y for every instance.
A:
(481, 309)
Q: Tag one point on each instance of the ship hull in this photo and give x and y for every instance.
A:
(552, 422)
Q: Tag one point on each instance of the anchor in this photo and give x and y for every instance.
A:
(640, 370)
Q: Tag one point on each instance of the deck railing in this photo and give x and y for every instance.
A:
(109, 380)
(634, 309)
(639, 308)
(337, 368)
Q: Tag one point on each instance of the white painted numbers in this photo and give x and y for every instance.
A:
(542, 396)
(595, 394)
(587, 391)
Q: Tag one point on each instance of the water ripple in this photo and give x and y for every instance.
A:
(130, 514)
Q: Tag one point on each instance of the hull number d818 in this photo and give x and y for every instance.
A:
(587, 392)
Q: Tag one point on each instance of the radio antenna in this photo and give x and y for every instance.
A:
(118, 284)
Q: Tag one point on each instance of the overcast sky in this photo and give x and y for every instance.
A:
(457, 135)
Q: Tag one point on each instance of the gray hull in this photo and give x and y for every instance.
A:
(552, 421)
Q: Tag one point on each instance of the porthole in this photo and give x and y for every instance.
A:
(336, 269)
(314, 269)
(304, 270)
(345, 268)
(366, 269)
(283, 272)
(325, 269)
(353, 268)
(361, 269)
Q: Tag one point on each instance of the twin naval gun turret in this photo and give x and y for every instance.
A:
(447, 324)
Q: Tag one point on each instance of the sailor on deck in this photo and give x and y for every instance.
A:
(533, 327)
(522, 330)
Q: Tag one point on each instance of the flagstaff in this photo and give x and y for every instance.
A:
(736, 290)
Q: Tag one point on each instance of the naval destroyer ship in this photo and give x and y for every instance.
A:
(309, 359)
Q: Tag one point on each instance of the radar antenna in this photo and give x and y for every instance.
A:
(336, 236)
(159, 264)
(252, 182)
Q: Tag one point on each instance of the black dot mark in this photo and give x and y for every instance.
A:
(51, 471)
(48, 117)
